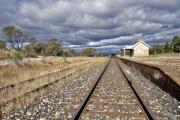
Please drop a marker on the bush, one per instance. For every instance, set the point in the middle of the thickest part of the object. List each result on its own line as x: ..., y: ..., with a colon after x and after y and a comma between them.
x: 167, y: 48
x: 158, y: 49
x: 2, y: 45
x: 53, y: 48
x: 176, y: 44
x: 90, y: 52
x: 30, y: 51
x: 30, y: 54
x: 17, y: 58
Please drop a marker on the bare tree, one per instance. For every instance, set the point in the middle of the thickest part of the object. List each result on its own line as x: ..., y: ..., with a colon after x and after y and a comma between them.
x: 9, y: 33
x: 15, y: 37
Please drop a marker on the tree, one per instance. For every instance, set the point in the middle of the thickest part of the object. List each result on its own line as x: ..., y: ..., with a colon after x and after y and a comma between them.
x: 90, y: 52
x: 175, y: 40
x: 17, y: 58
x: 9, y: 33
x: 2, y: 45
x: 40, y: 48
x: 167, y: 48
x: 30, y: 51
x: 152, y: 51
x: 53, y: 47
x: 158, y: 49
x: 176, y: 44
x: 15, y: 37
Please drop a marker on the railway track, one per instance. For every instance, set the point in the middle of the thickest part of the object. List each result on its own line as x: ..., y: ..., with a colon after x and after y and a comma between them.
x: 113, y: 97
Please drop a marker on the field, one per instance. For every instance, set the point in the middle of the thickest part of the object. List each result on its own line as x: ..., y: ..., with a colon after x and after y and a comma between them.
x: 169, y: 63
x: 35, y: 74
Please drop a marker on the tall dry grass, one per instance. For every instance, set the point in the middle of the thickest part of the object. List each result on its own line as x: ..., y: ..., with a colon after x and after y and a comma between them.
x: 5, y: 54
x: 30, y: 69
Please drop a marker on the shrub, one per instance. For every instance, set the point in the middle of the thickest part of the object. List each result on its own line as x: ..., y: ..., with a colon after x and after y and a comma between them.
x: 2, y: 45
x: 17, y: 58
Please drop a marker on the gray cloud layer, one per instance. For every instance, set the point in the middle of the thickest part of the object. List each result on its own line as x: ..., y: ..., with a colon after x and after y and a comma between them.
x: 104, y: 24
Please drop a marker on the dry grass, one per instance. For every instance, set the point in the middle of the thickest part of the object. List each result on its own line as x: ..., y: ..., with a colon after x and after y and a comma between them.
x: 24, y: 87
x: 166, y: 55
x: 31, y: 69
x: 5, y: 54
x: 12, y: 74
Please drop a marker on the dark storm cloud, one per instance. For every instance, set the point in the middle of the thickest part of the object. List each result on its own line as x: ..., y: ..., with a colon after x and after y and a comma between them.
x: 104, y: 24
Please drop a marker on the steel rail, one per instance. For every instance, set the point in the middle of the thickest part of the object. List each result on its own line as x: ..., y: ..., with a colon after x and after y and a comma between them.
x: 79, y: 110
x: 148, y: 111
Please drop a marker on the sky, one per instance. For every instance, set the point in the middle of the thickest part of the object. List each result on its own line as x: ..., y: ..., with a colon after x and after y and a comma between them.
x: 106, y: 25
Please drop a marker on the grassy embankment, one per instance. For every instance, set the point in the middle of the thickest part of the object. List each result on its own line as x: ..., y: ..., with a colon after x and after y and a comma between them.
x: 28, y: 69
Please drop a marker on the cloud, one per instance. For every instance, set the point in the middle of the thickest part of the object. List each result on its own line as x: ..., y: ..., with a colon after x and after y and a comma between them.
x: 104, y: 24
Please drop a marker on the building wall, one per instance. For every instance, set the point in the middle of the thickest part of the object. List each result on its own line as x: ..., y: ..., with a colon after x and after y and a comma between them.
x: 141, y: 50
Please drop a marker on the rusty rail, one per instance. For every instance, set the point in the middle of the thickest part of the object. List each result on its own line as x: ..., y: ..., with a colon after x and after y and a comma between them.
x: 78, y: 112
x: 149, y: 113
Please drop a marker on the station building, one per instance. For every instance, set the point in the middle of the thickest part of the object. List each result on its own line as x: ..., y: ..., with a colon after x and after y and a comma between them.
x: 139, y: 49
